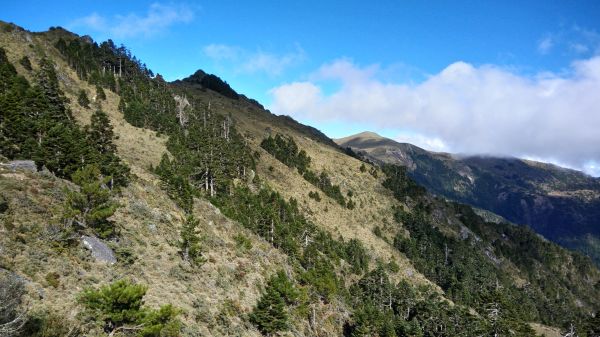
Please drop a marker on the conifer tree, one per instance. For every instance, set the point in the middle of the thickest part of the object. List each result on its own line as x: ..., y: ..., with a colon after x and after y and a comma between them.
x: 190, y: 244
x: 92, y: 205
x: 178, y: 188
x: 53, y: 98
x: 100, y: 136
x: 119, y: 307
x: 83, y: 99
x: 26, y: 63
x: 100, y: 94
x: 271, y: 313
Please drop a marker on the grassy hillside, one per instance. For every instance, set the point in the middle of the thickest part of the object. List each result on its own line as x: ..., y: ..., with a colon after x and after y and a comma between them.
x: 561, y: 204
x: 231, y: 234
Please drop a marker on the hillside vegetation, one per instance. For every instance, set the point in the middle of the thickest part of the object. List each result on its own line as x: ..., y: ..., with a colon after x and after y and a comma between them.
x: 224, y: 219
x: 561, y: 204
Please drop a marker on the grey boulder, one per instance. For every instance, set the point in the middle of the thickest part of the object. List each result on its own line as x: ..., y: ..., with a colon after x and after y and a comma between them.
x: 100, y: 251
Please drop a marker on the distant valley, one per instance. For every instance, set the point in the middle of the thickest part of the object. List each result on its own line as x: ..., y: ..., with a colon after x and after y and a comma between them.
x: 561, y: 204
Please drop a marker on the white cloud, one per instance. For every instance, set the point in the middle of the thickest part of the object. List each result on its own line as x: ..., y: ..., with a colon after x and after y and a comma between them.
x: 545, y: 44
x: 221, y: 52
x: 156, y: 20
x: 297, y: 96
x: 251, y: 62
x: 574, y: 40
x: 429, y: 143
x: 465, y: 108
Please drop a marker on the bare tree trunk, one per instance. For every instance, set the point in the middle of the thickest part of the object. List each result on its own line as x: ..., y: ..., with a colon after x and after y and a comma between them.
x: 272, y: 230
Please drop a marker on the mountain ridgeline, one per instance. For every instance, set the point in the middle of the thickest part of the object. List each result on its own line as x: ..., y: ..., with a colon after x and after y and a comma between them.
x: 561, y: 204
x: 206, y: 215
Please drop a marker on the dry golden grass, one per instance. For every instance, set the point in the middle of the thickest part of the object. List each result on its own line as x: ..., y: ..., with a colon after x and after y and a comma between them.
x: 227, y: 286
x: 545, y: 331
x: 215, y: 295
x: 149, y: 224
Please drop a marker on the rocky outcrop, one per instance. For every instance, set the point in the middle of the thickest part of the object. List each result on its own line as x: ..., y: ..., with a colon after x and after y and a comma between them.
x: 100, y: 251
x: 20, y: 165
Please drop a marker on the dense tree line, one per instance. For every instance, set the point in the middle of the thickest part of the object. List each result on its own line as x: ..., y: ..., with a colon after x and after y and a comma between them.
x: 36, y: 123
x: 287, y: 151
x: 207, y: 152
x: 472, y: 268
x: 398, y: 181
x: 146, y: 100
x: 387, y: 309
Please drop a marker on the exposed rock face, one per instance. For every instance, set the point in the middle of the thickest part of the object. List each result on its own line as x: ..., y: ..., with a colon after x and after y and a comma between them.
x: 20, y: 165
x: 100, y: 251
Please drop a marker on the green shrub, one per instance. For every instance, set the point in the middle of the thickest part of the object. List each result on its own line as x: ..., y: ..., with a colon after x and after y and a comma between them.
x: 314, y: 195
x: 48, y: 323
x: 350, y: 204
x: 373, y: 172
x: 242, y: 242
x: 3, y: 204
x: 125, y: 255
x: 161, y: 322
x: 83, y: 99
x: 53, y: 279
x: 119, y: 306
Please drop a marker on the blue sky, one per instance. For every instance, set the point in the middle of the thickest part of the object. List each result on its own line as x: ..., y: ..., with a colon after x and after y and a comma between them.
x: 503, y: 77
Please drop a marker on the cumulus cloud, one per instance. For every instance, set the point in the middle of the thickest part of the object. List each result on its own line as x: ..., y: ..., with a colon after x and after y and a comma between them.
x: 465, y: 108
x: 157, y: 18
x: 251, y: 62
x: 221, y: 52
x: 429, y: 143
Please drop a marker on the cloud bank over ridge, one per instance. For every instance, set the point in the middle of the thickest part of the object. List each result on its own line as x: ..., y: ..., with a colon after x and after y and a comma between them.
x: 464, y: 108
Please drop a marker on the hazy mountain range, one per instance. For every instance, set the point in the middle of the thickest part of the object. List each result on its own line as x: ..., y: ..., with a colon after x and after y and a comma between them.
x: 561, y: 204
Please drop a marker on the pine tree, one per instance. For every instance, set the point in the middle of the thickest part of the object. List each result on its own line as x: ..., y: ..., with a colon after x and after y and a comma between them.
x: 53, y: 98
x: 190, y: 244
x: 178, y: 188
x: 26, y: 63
x: 92, y: 205
x: 83, y: 99
x: 119, y: 308
x: 271, y: 313
x: 100, y: 137
x: 100, y: 94
x: 116, y: 304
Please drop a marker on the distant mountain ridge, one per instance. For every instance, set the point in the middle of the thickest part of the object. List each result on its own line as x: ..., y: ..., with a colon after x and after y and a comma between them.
x: 561, y: 204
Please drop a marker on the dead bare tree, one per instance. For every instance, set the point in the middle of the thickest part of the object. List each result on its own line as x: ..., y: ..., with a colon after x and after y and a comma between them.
x: 13, y: 315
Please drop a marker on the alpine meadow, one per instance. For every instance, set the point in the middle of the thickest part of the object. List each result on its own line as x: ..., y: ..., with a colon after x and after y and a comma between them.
x: 138, y: 203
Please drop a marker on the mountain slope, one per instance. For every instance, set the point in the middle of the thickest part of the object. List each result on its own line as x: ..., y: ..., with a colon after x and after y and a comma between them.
x: 561, y: 204
x: 295, y: 239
